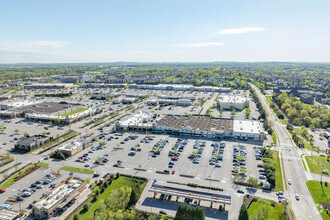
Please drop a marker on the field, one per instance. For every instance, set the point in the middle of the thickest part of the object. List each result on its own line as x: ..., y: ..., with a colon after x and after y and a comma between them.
x: 76, y: 169
x: 315, y: 164
x: 270, y: 211
x: 319, y: 194
x: 116, y: 184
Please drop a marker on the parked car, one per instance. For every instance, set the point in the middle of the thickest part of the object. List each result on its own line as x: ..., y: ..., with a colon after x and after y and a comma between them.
x: 2, y: 190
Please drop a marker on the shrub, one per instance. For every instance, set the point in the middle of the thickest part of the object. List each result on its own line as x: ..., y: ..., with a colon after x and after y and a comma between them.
x: 86, y: 207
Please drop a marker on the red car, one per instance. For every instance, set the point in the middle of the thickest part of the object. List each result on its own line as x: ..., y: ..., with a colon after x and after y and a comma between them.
x: 175, y: 158
x: 111, y: 136
x: 150, y: 139
x: 259, y: 165
x: 173, y: 172
x: 191, y: 156
x: 2, y: 190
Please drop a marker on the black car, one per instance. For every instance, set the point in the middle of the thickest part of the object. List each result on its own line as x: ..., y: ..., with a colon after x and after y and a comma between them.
x: 19, y: 198
x: 33, y: 185
x: 37, y: 182
x: 166, y: 171
x: 96, y: 175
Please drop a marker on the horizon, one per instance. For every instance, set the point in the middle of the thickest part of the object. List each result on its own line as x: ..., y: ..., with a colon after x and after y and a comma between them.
x: 164, y: 32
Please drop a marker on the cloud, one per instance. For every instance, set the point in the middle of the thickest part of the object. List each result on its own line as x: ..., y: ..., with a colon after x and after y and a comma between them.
x: 240, y: 30
x: 31, y: 46
x: 205, y: 44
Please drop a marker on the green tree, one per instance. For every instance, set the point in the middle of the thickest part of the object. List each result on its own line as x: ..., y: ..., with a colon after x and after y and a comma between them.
x: 252, y: 181
x: 233, y: 112
x: 243, y: 213
x: 57, y: 121
x: 16, y: 131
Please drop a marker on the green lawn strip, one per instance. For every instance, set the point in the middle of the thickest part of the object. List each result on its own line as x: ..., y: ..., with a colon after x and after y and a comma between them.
x: 76, y: 169
x: 75, y: 112
x: 319, y: 194
x: 9, y: 168
x: 116, y: 184
x: 7, y: 160
x: 278, y: 172
x: 10, y: 181
x: 274, y: 137
x: 268, y: 99
x: 42, y: 164
x: 275, y: 212
x: 315, y: 164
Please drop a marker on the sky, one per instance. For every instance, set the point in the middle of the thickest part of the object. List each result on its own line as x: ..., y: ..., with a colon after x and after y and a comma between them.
x: 69, y: 31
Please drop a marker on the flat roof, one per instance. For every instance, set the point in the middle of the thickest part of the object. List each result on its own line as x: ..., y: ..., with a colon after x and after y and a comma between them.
x: 58, y: 194
x: 187, y: 193
x: 137, y: 118
x: 196, y: 122
x: 247, y: 126
x: 232, y: 99
x: 47, y: 107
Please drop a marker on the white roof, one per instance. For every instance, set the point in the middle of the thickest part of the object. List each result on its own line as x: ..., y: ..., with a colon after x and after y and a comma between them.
x: 233, y: 99
x: 247, y: 126
x: 137, y: 118
x: 72, y: 145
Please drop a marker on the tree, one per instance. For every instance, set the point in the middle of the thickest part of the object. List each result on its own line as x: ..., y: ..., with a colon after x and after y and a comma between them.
x: 243, y: 213
x: 86, y: 207
x: 304, y: 131
x: 50, y: 123
x: 76, y: 217
x: 44, y: 133
x: 25, y: 134
x: 252, y: 181
x: 16, y: 131
x: 233, y: 112
x: 57, y: 121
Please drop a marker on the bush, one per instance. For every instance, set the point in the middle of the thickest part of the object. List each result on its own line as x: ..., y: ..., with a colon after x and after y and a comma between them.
x: 86, y: 207
x: 76, y: 217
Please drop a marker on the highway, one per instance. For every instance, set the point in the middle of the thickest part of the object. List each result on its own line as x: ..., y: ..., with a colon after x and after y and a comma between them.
x: 293, y: 168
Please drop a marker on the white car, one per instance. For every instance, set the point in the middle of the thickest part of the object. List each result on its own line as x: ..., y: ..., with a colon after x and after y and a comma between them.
x: 289, y: 182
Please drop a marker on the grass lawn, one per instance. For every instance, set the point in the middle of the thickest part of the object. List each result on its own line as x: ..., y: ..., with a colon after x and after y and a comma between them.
x: 116, y: 184
x: 76, y: 169
x: 10, y: 181
x: 278, y: 172
x: 315, y: 164
x: 273, y: 212
x: 75, y: 112
x: 319, y: 193
x: 43, y: 164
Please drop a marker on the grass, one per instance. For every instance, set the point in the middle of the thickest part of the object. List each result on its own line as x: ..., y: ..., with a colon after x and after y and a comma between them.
x: 75, y: 112
x: 315, y: 164
x: 320, y: 193
x: 9, y: 168
x: 278, y: 172
x: 11, y: 181
x: 274, y: 137
x: 273, y: 212
x: 6, y: 161
x: 76, y: 169
x: 42, y: 164
x: 268, y: 99
x: 116, y: 184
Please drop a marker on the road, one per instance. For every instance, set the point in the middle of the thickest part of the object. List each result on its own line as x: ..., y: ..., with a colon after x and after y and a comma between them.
x: 294, y: 170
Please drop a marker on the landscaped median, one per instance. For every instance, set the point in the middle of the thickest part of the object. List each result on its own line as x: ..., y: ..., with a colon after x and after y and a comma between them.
x: 320, y: 193
x: 315, y: 164
x: 15, y: 176
x: 76, y: 169
x: 5, y: 160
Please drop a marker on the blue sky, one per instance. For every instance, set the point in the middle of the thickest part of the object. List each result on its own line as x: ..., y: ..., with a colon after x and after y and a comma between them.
x: 42, y: 31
